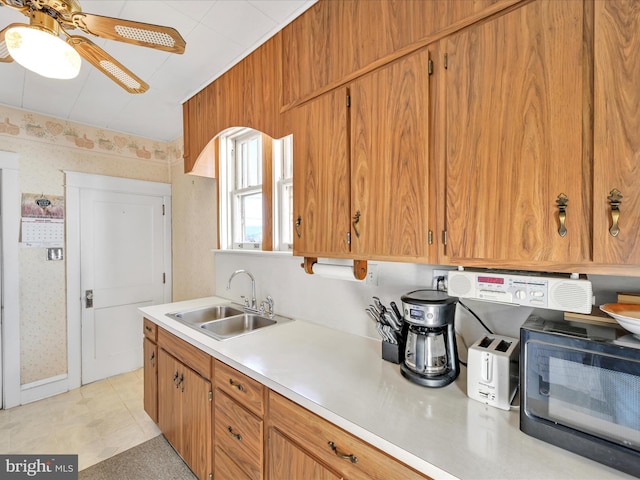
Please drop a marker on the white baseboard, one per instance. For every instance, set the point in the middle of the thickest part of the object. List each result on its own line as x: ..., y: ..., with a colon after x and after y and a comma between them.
x: 48, y: 387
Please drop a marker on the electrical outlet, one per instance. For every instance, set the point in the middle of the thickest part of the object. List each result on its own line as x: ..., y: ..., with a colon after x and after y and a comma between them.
x: 372, y: 275
x: 437, y: 273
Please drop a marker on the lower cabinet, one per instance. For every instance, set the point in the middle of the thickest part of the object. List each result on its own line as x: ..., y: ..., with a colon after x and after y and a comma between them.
x: 302, y: 441
x: 239, y: 425
x: 150, y: 352
x: 240, y: 430
x: 288, y: 460
x: 184, y: 406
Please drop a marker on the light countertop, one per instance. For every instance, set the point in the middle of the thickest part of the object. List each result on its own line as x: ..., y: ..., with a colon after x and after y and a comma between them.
x: 342, y: 378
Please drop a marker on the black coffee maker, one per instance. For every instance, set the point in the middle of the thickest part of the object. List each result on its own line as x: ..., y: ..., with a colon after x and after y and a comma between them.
x: 430, y: 351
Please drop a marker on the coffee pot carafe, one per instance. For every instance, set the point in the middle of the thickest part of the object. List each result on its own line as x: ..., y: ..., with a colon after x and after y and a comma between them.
x: 430, y: 352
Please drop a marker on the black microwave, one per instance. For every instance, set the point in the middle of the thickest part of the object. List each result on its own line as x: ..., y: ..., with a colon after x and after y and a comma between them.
x: 580, y: 390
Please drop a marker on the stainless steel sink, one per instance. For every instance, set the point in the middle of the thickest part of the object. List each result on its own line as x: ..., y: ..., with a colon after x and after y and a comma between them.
x: 207, y: 314
x: 226, y: 321
x: 238, y: 325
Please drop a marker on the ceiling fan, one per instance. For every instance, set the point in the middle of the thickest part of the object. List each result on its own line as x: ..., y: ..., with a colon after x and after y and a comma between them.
x: 57, y: 53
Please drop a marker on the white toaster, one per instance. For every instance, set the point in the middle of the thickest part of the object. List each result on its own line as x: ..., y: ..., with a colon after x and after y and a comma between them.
x: 492, y: 370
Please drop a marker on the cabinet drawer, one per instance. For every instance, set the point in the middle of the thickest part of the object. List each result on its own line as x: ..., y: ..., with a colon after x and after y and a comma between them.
x: 240, y: 387
x: 150, y: 330
x: 350, y: 456
x: 185, y: 352
x: 239, y: 433
x: 225, y: 468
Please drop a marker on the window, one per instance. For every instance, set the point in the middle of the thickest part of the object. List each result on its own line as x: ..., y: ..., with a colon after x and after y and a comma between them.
x: 250, y: 216
x: 283, y: 213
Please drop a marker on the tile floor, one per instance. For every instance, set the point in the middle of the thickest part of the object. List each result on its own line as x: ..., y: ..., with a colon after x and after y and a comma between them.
x: 95, y: 421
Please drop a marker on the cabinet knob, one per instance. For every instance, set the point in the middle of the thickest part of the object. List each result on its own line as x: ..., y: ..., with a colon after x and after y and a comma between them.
x: 615, y: 199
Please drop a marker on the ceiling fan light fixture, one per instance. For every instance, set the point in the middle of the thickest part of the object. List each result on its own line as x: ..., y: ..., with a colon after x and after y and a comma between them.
x: 38, y: 48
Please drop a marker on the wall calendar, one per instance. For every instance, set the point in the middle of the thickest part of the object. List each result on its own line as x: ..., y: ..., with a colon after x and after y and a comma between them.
x: 42, y: 220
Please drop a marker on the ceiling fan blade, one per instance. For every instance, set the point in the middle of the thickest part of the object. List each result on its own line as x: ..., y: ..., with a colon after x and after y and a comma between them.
x: 5, y: 56
x: 108, y: 65
x: 143, y: 34
x: 16, y: 5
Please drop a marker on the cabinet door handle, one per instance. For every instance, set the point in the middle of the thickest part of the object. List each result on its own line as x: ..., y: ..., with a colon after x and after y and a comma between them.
x: 615, y: 199
x: 345, y: 456
x: 237, y: 436
x: 562, y: 201
x: 356, y: 221
x: 236, y: 385
x: 175, y: 376
x: 152, y: 359
x: 298, y: 223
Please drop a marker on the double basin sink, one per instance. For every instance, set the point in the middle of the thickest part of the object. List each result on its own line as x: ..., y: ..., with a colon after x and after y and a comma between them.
x: 226, y: 321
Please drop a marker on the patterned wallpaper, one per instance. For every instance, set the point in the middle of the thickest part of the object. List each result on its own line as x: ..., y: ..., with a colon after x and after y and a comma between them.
x: 22, y: 124
x: 47, y: 146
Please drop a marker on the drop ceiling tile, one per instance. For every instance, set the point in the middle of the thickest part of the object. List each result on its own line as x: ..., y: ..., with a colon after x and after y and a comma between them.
x: 151, y: 117
x: 281, y: 10
x: 240, y: 21
x: 209, y: 56
x: 11, y: 91
x: 218, y: 34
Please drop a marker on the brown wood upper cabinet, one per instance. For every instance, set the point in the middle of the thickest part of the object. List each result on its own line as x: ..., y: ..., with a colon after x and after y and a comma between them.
x: 516, y: 117
x: 390, y: 161
x: 336, y: 41
x: 247, y: 95
x: 361, y: 173
x: 617, y: 132
x: 321, y: 176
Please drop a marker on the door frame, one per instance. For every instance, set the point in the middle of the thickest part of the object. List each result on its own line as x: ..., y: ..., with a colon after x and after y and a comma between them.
x: 74, y: 182
x: 10, y: 388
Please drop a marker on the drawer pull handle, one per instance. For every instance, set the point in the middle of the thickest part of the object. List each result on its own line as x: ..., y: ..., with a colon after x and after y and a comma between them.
x: 148, y: 328
x: 237, y: 436
x: 237, y: 385
x: 352, y: 458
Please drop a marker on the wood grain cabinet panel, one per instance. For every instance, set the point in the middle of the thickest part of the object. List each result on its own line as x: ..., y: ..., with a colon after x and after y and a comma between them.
x: 514, y: 108
x: 150, y: 351
x: 239, y: 434
x: 184, y: 406
x: 321, y: 176
x: 335, y: 41
x: 390, y: 199
x: 319, y: 439
x: 617, y: 131
x: 241, y: 388
x: 288, y: 460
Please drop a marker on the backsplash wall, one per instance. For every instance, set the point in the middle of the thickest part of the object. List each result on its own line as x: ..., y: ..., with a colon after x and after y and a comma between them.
x: 340, y: 304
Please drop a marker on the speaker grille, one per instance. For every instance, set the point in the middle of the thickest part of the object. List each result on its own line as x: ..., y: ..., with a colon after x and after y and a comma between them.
x: 571, y: 296
x: 459, y: 285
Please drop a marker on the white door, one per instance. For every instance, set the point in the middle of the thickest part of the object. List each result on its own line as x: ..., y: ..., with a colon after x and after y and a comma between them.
x: 121, y: 269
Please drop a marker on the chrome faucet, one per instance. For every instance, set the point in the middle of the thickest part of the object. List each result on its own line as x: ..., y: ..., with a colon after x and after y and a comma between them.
x: 266, y: 306
x: 253, y: 306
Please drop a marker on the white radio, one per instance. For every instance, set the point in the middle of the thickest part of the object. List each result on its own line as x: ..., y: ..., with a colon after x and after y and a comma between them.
x: 555, y: 292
